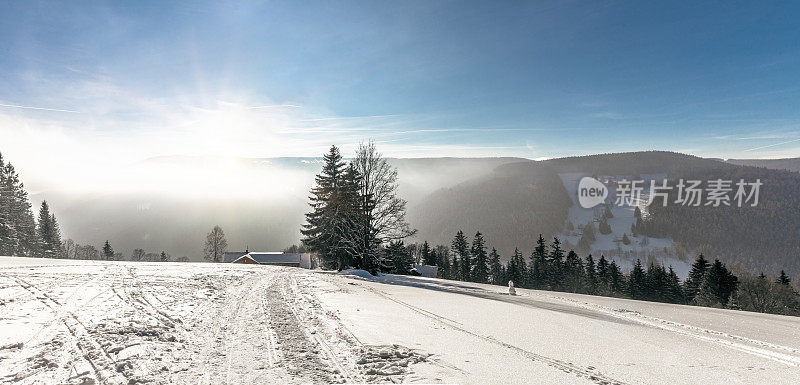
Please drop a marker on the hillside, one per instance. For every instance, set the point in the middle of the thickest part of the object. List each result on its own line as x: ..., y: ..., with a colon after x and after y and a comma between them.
x: 512, y: 212
x: 510, y: 206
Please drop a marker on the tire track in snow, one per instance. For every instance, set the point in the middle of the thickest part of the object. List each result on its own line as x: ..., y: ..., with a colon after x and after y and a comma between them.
x: 567, y: 367
x: 301, y: 348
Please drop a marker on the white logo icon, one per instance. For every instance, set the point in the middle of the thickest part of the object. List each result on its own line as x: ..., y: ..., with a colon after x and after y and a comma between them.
x: 591, y: 192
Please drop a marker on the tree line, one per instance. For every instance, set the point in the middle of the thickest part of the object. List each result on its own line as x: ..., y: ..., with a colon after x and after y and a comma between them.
x: 551, y: 267
x: 20, y: 233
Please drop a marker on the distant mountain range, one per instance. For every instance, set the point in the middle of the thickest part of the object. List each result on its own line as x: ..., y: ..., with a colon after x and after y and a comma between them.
x: 789, y: 164
x: 510, y: 200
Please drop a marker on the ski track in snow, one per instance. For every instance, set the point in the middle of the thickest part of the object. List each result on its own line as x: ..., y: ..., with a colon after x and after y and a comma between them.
x: 135, y: 323
x: 123, y: 323
x: 588, y: 373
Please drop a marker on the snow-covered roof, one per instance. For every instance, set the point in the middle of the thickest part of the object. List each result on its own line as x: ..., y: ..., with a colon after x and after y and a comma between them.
x: 231, y: 256
x: 274, y: 257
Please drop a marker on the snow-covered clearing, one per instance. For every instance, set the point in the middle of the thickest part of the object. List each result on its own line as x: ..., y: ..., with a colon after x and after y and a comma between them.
x: 93, y: 322
x: 610, y: 245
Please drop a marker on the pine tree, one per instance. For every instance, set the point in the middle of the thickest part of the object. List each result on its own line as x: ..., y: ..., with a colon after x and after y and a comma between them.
x: 696, y: 276
x: 461, y: 259
x: 164, y: 257
x: 108, y: 252
x: 625, y: 239
x: 495, y: 268
x: 480, y: 272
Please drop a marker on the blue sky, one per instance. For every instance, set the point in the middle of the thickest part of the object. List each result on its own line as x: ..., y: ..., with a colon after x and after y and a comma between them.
x: 93, y: 81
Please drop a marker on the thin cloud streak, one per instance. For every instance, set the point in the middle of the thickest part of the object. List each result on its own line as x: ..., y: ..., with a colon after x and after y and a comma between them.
x: 38, y: 108
x: 772, y: 145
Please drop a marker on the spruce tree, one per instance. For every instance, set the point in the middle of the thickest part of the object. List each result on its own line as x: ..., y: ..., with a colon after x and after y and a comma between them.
x: 49, y: 233
x: 696, y: 276
x: 18, y: 235
x: 636, y: 281
x: 108, y: 252
x: 444, y: 265
x: 784, y: 279
x: 516, y: 269
x: 399, y: 258
x: 607, y: 212
x: 616, y: 278
x: 428, y: 255
x: 573, y: 273
x: 480, y: 272
x: 327, y: 223
x: 538, y: 269
x: 555, y: 265
x: 717, y: 287
x: 461, y: 258
x: 495, y: 268
x: 603, y: 281
x: 604, y: 227
x: 591, y: 276
x: 675, y: 291
x: 587, y: 237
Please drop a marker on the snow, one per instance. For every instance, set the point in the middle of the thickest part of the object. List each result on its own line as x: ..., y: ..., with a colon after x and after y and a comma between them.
x: 357, y: 273
x: 624, y: 255
x: 120, y: 322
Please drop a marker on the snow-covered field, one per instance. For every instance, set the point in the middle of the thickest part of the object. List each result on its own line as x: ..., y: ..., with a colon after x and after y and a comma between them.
x: 192, y: 323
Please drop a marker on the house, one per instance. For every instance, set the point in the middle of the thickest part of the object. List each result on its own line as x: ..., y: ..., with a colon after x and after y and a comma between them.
x: 231, y: 256
x: 275, y: 259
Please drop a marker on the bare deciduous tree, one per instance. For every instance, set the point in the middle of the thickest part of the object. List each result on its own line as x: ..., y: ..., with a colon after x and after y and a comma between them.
x: 216, y: 245
x: 385, y: 211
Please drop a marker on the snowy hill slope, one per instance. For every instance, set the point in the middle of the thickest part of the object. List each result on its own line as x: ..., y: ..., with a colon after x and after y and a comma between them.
x: 115, y: 323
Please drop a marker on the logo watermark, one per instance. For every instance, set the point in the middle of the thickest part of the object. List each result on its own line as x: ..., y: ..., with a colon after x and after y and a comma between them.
x: 694, y: 193
x: 591, y: 192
